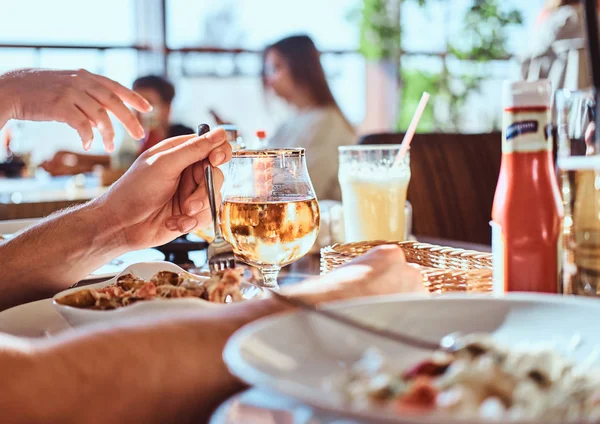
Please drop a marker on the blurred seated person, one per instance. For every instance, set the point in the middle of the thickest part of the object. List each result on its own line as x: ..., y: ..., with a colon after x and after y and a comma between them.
x: 292, y: 70
x: 160, y: 93
x: 557, y: 48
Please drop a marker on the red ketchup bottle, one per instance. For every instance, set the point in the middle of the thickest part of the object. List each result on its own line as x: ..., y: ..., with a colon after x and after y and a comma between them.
x: 527, y: 209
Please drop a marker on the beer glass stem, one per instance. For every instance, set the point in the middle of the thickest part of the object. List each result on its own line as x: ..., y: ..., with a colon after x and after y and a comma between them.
x: 270, y: 276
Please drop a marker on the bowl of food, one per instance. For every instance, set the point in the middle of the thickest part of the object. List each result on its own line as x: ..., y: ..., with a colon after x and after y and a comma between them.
x: 525, y: 358
x: 148, y: 289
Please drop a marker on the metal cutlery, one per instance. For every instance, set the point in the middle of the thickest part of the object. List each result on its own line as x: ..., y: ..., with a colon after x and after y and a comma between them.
x: 220, y: 251
x: 449, y: 343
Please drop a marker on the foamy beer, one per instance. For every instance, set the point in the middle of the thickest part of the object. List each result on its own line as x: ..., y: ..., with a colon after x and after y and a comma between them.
x: 373, y: 192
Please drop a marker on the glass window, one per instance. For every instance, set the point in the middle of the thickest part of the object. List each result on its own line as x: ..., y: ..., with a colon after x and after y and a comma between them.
x: 252, y: 24
x: 68, y: 22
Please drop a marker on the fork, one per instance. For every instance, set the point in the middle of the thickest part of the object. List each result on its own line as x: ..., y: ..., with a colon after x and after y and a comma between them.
x: 450, y: 343
x: 220, y: 251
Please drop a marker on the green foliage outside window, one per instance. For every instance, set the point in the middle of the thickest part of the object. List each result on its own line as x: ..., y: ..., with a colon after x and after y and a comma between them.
x: 483, y: 39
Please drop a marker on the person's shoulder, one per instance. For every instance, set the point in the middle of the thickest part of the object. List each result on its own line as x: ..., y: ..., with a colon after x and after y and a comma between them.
x: 336, y: 117
x: 326, y: 115
x: 330, y: 122
x: 179, y: 129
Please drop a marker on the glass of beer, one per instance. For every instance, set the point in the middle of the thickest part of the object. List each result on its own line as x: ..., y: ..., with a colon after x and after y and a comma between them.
x: 579, y: 178
x: 270, y: 213
x: 374, y: 192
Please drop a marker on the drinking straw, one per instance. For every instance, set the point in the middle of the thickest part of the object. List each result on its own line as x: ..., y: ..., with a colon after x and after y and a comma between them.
x: 591, y: 20
x: 411, y: 129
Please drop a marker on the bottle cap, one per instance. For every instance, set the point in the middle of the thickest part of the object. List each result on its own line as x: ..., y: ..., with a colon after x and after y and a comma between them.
x: 261, y: 134
x: 527, y: 93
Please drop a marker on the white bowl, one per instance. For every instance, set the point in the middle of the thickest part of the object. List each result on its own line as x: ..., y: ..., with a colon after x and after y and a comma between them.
x: 79, y: 316
x: 300, y: 354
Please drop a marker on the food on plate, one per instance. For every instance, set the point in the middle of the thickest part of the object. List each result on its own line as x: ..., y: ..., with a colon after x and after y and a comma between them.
x: 130, y: 289
x: 482, y: 380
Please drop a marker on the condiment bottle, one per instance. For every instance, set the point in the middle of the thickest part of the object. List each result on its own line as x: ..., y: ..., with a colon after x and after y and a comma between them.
x: 527, y: 210
x: 261, y: 141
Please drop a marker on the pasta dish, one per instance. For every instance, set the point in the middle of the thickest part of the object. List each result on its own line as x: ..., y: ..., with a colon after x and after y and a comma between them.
x: 130, y: 289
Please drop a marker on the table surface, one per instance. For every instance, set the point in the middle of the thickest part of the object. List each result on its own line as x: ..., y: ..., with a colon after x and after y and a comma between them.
x: 43, y: 188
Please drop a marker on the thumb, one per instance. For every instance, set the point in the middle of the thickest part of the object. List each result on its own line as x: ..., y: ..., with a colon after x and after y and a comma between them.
x: 178, y: 153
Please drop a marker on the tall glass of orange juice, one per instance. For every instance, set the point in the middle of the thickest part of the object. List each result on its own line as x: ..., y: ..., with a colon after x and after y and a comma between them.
x: 373, y: 192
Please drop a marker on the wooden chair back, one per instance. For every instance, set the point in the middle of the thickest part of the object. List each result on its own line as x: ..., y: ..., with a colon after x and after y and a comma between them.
x: 452, y: 184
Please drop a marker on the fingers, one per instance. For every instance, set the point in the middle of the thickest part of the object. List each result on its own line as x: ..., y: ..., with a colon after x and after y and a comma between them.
x: 187, y: 185
x: 406, y: 278
x: 198, y: 172
x: 184, y: 224
x: 214, y: 137
x: 168, y: 144
x: 77, y: 120
x: 181, y: 223
x: 126, y: 95
x: 198, y: 201
x: 180, y: 152
x: 389, y: 253
x: 111, y: 101
x: 196, y: 208
x: 220, y: 155
x: 96, y: 113
x: 389, y: 271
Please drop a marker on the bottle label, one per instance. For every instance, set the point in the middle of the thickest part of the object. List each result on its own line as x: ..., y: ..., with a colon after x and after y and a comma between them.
x: 498, y: 285
x: 526, y: 130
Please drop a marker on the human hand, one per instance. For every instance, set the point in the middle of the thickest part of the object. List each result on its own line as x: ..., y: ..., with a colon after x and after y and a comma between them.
x: 381, y: 271
x: 163, y: 194
x: 79, y: 98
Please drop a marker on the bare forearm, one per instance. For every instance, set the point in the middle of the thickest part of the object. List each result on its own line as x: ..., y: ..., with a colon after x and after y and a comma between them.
x: 167, y: 372
x: 56, y: 253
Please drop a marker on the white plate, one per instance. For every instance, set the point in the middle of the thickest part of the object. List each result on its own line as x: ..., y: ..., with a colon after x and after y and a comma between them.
x: 299, y: 354
x: 79, y: 316
x: 34, y: 319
